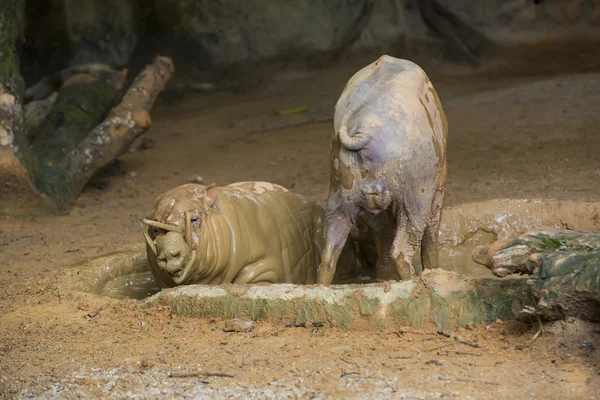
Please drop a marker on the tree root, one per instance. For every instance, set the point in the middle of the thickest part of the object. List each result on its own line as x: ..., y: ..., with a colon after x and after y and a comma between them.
x: 563, y: 265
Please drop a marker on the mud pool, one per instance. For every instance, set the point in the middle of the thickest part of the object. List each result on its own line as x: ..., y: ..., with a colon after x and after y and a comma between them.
x: 125, y: 274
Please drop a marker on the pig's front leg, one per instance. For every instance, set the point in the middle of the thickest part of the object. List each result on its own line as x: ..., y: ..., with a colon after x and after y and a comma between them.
x: 337, y: 229
x: 257, y: 273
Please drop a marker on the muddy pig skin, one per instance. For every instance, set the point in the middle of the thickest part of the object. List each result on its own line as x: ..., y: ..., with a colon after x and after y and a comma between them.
x: 388, y: 168
x: 244, y: 233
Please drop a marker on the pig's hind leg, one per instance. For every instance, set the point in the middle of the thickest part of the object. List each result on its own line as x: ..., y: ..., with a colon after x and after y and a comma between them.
x: 409, y: 234
x: 429, y: 245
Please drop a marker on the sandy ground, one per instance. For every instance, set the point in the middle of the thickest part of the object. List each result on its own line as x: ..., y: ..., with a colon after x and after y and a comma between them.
x: 510, y: 136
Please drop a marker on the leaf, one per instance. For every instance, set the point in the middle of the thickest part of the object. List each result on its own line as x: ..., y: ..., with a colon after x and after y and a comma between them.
x: 296, y: 110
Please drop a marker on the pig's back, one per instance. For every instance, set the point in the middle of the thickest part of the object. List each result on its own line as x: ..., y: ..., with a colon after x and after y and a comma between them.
x: 268, y: 221
x: 400, y: 103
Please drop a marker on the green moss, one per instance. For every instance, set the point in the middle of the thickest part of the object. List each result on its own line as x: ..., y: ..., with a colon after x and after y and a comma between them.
x: 12, y: 14
x: 308, y: 311
x: 78, y: 110
x: 367, y: 306
x: 548, y: 243
x: 11, y: 30
x: 440, y: 312
x: 416, y: 310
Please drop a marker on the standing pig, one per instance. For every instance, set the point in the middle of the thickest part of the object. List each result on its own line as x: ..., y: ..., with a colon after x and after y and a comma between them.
x: 245, y: 233
x: 388, y: 168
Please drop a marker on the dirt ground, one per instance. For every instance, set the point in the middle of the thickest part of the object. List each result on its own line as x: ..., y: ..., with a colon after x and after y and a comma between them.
x: 510, y: 136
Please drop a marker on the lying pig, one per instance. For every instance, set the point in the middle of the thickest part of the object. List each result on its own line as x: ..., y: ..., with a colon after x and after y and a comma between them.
x: 388, y: 168
x: 244, y: 233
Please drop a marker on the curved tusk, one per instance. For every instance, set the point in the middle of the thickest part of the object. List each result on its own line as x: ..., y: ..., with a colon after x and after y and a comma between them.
x: 188, y: 229
x: 149, y: 240
x: 188, y: 267
x: 160, y: 225
x: 168, y: 210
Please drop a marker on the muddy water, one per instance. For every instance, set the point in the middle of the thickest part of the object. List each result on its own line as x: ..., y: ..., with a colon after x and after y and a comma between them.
x: 137, y: 285
x: 468, y: 225
x: 125, y: 273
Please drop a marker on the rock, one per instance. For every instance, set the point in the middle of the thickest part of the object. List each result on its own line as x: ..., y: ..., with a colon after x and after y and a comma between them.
x: 101, y: 31
x: 36, y: 111
x: 225, y: 33
x: 143, y: 364
x: 238, y: 325
x: 527, y: 22
x: 196, y: 179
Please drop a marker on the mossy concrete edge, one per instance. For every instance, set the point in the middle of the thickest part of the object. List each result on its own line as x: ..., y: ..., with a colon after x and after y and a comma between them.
x: 438, y: 299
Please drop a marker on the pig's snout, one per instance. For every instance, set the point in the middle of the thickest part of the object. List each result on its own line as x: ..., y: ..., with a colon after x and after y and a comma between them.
x: 173, y: 252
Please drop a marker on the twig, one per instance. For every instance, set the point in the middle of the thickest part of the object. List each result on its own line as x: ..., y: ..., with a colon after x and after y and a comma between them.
x: 186, y: 374
x: 466, y: 342
x: 346, y: 361
x: 440, y: 347
x: 219, y: 374
x: 539, y: 331
x: 401, y: 357
x: 316, y: 120
x: 535, y: 336
x: 346, y: 373
x: 303, y: 324
x: 463, y: 353
x: 462, y: 366
x: 467, y: 380
x: 548, y: 375
x: 95, y: 313
x: 401, y: 332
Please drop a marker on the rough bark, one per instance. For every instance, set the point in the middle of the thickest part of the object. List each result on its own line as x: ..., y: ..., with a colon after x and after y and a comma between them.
x: 564, y: 269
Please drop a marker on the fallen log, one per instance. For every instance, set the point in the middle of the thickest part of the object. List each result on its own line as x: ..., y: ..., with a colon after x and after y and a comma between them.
x: 64, y: 177
x: 82, y: 103
x: 563, y: 265
x: 51, y: 166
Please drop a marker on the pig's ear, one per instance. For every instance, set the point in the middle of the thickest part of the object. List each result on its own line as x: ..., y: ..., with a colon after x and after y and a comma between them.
x: 209, y: 197
x: 208, y: 202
